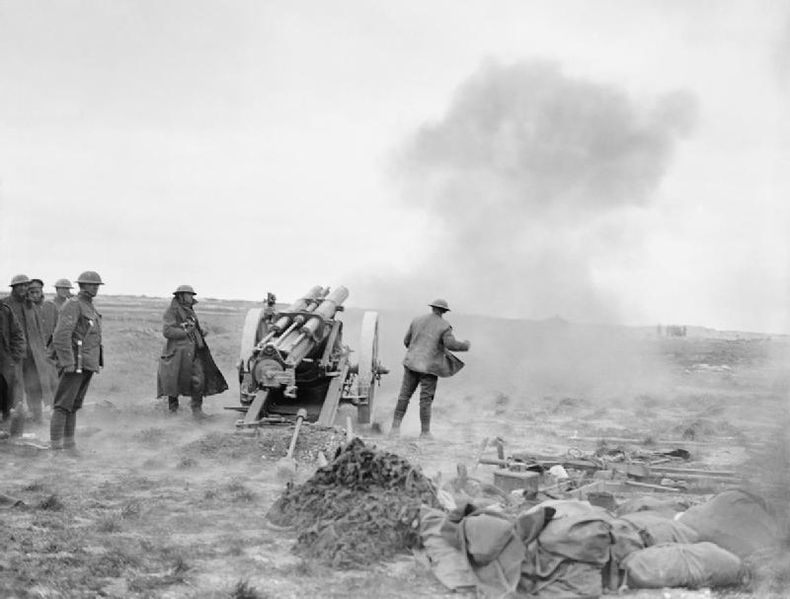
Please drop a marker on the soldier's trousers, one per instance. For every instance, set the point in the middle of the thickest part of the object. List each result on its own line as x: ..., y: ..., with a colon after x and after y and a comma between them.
x: 427, y: 383
x: 69, y: 396
x: 6, y: 398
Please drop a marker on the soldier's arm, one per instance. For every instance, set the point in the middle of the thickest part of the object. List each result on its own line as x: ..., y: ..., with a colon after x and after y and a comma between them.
x: 451, y: 343
x: 407, y: 337
x: 170, y: 327
x: 17, y: 345
x: 61, y: 339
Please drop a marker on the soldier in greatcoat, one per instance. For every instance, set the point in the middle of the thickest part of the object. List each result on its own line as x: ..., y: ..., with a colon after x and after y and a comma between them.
x: 428, y: 342
x: 48, y: 317
x: 186, y: 366
x: 12, y: 350
x: 77, y: 344
x: 47, y: 310
x: 31, y: 376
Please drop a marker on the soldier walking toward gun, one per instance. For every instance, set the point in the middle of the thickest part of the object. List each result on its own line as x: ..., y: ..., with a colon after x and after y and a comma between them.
x: 77, y: 343
x: 428, y: 342
x: 186, y: 366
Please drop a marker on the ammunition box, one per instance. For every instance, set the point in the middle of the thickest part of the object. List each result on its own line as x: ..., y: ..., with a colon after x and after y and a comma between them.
x: 508, y: 480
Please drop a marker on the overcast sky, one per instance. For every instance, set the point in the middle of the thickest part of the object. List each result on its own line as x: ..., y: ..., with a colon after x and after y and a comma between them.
x: 606, y: 161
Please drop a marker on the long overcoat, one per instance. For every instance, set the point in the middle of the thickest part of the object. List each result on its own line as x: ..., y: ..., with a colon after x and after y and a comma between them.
x: 174, y: 377
x: 48, y: 312
x: 12, y: 344
x: 30, y: 322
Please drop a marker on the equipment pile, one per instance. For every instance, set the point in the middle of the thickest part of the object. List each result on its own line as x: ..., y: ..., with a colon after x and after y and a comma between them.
x: 361, y: 508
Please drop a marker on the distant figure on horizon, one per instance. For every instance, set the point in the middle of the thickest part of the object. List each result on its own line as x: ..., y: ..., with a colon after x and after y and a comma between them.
x: 428, y: 342
x: 186, y: 366
x: 77, y: 343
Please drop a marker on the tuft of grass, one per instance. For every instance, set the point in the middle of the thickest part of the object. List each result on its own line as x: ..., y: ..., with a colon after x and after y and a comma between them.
x: 244, y: 590
x: 186, y: 462
x: 131, y: 509
x: 51, y: 502
x: 239, y: 492
x: 151, y: 436
x: 35, y: 486
x: 109, y: 523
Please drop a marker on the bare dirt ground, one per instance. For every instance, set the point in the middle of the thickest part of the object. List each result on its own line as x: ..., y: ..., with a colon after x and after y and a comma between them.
x: 159, y: 506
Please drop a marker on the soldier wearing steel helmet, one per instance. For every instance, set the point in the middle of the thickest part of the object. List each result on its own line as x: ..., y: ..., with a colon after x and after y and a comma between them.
x: 63, y: 293
x: 32, y: 378
x: 77, y: 344
x: 428, y: 342
x: 186, y: 366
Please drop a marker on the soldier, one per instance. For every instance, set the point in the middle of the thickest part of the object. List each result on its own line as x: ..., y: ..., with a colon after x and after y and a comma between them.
x: 77, y: 343
x: 48, y: 317
x: 428, y: 342
x: 31, y: 373
x: 47, y: 310
x: 269, y: 310
x: 12, y: 350
x: 63, y: 289
x: 186, y: 366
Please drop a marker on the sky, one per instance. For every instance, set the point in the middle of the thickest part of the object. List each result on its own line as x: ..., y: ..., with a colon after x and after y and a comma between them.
x: 602, y: 161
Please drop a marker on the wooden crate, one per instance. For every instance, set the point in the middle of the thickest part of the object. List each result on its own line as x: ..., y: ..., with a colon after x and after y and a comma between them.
x: 511, y: 481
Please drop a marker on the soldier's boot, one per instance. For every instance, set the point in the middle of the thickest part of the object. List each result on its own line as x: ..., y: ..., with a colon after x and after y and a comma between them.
x: 172, y: 404
x: 197, y: 408
x: 69, y: 444
x: 397, y: 417
x: 425, y: 421
x: 57, y: 428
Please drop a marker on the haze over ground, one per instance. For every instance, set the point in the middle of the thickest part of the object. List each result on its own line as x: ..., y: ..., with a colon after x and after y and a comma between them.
x: 617, y: 161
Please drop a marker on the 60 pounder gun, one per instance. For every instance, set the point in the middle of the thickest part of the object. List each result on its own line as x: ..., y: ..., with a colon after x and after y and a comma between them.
x: 297, y: 360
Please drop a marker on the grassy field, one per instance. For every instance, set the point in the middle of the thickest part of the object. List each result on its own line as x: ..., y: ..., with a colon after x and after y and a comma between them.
x: 159, y: 506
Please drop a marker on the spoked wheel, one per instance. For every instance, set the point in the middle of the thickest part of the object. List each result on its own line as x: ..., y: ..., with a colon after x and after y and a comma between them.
x: 369, y: 366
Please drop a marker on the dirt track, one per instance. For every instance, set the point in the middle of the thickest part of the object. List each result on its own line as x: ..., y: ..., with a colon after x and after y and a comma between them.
x: 161, y: 507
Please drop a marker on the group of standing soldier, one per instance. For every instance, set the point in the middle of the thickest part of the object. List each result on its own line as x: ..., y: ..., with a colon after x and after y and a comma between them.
x: 48, y: 349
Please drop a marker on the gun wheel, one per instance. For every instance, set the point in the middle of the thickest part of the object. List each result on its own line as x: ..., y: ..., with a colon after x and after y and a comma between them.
x: 368, y: 365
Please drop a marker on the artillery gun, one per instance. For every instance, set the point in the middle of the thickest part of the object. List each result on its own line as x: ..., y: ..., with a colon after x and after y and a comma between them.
x: 295, y: 360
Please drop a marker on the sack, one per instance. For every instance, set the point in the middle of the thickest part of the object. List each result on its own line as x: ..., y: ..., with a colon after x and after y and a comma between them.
x: 655, y: 529
x: 447, y: 562
x: 682, y: 565
x: 735, y: 520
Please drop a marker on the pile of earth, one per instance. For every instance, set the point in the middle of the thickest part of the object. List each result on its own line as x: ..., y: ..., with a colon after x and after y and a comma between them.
x: 269, y: 443
x: 361, y: 508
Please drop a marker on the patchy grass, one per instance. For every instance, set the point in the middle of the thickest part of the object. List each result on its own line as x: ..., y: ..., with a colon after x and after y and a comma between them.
x: 51, y: 503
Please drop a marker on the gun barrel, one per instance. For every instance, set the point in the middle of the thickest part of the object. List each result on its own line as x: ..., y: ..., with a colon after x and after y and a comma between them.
x: 326, y: 310
x: 307, y: 303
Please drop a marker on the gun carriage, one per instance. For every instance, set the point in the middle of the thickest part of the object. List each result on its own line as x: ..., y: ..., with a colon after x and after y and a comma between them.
x: 296, y: 360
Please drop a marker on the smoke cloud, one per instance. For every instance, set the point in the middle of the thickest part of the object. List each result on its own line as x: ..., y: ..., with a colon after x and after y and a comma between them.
x: 526, y: 186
